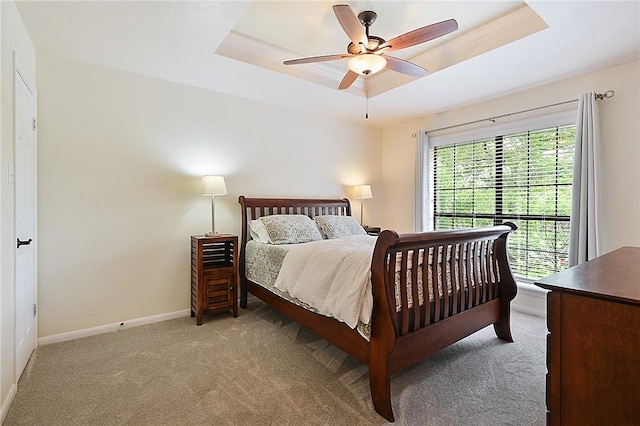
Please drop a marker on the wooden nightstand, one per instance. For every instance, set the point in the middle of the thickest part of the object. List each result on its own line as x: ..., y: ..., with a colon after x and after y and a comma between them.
x: 372, y: 230
x: 214, y: 274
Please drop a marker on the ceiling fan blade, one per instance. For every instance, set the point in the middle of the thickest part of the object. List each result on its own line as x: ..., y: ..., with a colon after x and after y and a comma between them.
x: 348, y: 80
x: 420, y: 35
x: 312, y: 59
x: 350, y: 24
x: 405, y: 67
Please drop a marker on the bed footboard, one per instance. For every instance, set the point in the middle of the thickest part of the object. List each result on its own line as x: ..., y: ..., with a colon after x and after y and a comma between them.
x: 431, y: 290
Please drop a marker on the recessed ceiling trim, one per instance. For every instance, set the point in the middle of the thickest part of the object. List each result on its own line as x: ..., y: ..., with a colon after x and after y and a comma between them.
x: 250, y: 50
x: 513, y: 26
x: 510, y: 27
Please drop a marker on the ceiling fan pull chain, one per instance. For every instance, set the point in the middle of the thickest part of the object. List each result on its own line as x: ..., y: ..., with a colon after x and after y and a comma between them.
x: 366, y: 99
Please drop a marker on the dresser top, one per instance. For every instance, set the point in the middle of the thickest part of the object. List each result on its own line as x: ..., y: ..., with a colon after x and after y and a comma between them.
x: 613, y: 276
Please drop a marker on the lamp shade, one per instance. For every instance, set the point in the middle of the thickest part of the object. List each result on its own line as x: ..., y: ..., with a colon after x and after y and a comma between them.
x: 367, y: 63
x: 363, y: 192
x: 213, y: 185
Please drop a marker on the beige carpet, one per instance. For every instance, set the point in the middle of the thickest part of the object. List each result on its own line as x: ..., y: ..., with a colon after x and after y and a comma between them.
x: 262, y: 369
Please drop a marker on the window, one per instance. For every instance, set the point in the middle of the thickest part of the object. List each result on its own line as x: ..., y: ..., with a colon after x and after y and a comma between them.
x: 522, y: 177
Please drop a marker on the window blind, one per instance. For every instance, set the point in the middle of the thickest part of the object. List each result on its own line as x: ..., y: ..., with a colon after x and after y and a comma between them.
x: 522, y: 177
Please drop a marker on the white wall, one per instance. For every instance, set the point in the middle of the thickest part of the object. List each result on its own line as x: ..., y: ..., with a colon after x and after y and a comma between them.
x: 14, y: 39
x: 120, y: 159
x: 620, y: 133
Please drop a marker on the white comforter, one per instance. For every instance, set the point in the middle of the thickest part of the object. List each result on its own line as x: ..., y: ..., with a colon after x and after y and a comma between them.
x: 333, y: 276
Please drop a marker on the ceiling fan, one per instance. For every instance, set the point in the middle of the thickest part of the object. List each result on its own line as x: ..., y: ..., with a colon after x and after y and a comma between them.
x: 368, y: 52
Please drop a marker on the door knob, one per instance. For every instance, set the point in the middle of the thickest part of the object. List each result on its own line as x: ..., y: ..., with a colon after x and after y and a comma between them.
x: 23, y: 243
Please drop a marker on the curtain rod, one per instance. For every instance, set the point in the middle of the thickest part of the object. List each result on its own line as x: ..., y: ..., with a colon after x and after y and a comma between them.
x: 606, y: 95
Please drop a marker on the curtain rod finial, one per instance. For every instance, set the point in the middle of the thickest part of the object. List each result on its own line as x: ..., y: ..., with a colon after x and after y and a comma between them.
x: 606, y: 95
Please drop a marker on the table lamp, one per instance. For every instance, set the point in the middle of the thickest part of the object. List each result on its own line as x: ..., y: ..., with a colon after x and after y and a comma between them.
x: 213, y: 185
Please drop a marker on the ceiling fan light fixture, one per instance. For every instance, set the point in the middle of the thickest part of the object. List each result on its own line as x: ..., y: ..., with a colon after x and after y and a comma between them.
x: 367, y: 63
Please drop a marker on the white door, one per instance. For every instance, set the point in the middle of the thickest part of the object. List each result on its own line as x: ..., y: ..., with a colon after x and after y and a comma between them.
x: 25, y: 222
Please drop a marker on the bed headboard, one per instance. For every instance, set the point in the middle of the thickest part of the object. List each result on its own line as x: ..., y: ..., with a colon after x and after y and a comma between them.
x: 253, y: 208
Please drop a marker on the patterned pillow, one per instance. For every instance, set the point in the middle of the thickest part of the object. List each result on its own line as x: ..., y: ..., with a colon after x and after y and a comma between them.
x: 290, y: 228
x: 339, y: 226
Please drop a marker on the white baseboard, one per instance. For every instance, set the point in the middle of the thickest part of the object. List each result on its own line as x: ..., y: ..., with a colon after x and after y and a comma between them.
x: 530, y: 299
x: 6, y: 404
x: 62, y: 337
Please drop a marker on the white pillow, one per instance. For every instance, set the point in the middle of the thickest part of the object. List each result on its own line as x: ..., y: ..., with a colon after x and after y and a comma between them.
x: 258, y: 231
x: 290, y: 229
x: 338, y: 226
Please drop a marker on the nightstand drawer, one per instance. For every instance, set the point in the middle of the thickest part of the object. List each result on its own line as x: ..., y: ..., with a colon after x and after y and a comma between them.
x: 218, y: 289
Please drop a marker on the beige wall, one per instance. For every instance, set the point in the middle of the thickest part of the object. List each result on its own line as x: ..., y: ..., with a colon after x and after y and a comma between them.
x: 120, y: 161
x: 14, y: 39
x: 121, y: 155
x: 620, y: 133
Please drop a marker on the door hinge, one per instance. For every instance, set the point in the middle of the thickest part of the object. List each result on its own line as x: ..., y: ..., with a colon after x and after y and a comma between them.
x: 35, y: 309
x: 34, y: 123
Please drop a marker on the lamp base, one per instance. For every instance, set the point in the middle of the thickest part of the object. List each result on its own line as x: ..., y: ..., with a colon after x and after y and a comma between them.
x: 212, y: 234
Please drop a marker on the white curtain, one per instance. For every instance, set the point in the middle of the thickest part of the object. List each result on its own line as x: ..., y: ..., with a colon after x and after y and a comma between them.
x: 422, y: 216
x: 584, y: 238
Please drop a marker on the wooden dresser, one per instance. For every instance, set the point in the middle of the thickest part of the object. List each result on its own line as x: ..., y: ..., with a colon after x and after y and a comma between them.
x: 593, y: 345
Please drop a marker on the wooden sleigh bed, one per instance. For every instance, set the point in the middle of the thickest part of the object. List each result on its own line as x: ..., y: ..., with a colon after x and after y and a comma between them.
x: 471, y: 263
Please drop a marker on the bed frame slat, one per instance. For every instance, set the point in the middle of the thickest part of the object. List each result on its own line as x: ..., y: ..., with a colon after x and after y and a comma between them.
x: 417, y: 320
x: 425, y: 318
x: 455, y: 293
x: 435, y: 285
x: 404, y: 303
